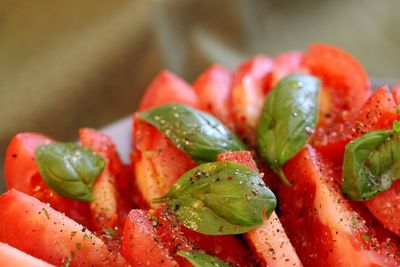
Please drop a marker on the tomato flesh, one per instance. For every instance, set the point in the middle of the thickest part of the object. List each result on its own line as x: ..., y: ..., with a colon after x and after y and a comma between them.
x: 213, y: 88
x: 321, y: 223
x: 168, y: 88
x: 37, y: 229
x: 12, y: 257
x: 22, y: 173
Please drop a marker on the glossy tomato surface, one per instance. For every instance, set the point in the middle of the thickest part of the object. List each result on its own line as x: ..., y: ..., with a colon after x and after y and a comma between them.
x: 21, y: 173
x: 39, y: 230
x: 322, y: 225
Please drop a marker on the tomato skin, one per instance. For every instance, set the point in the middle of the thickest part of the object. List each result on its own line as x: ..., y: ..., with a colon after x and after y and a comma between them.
x: 20, y: 165
x: 285, y: 64
x: 396, y: 93
x: 345, y: 87
x: 37, y: 229
x: 242, y: 157
x: 250, y: 85
x: 12, y: 257
x: 21, y: 173
x: 140, y: 245
x: 213, y: 88
x: 320, y: 222
x: 344, y: 78
x: 168, y: 88
x: 378, y: 113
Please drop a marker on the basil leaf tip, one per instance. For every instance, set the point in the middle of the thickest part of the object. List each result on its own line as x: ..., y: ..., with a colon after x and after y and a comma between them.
x: 197, y: 133
x: 69, y: 169
x: 220, y: 198
x: 289, y: 115
x: 200, y: 259
x: 371, y: 164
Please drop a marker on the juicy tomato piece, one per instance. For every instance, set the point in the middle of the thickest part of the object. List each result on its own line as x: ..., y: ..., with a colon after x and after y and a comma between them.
x: 249, y: 87
x: 168, y: 88
x: 378, y: 113
x: 37, y: 229
x: 158, y: 162
x: 269, y: 241
x: 345, y: 82
x: 104, y: 207
x: 12, y: 257
x: 213, y: 88
x: 141, y: 246
x: 345, y: 87
x: 285, y: 64
x: 396, y: 93
x: 321, y: 223
x: 386, y: 207
x: 159, y: 231
x: 242, y: 157
x: 22, y: 173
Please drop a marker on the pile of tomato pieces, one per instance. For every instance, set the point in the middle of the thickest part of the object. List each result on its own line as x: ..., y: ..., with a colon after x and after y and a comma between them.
x: 315, y: 224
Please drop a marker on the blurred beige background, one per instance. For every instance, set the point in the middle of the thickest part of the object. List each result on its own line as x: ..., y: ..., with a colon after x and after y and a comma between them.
x: 69, y: 64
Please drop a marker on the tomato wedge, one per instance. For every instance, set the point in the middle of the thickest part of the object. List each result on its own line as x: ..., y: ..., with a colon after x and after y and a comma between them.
x: 21, y: 173
x: 152, y: 237
x: 157, y: 161
x: 396, y: 93
x: 249, y: 87
x: 37, y: 229
x: 345, y: 87
x: 379, y: 112
x: 104, y: 207
x: 213, y: 88
x: 321, y: 223
x: 12, y: 257
x: 168, y: 88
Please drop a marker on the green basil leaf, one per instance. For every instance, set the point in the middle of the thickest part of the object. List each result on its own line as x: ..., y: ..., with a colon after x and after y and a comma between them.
x: 69, y: 169
x: 371, y: 164
x: 288, y: 118
x: 199, y: 259
x: 197, y: 133
x: 396, y: 127
x: 220, y: 198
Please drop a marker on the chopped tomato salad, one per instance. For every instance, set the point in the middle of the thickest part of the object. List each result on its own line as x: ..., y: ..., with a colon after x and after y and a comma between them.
x: 285, y: 161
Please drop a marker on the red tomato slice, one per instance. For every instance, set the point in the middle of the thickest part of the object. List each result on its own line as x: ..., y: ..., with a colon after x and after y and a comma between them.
x: 345, y: 82
x: 379, y: 112
x: 12, y: 257
x: 242, y: 157
x: 320, y: 222
x: 37, y: 229
x: 22, y: 174
x: 249, y: 87
x: 158, y: 162
x: 141, y: 246
x: 386, y: 208
x: 269, y: 242
x: 285, y: 64
x: 396, y: 93
x: 345, y: 88
x: 213, y: 87
x: 168, y: 88
x: 159, y: 231
x: 104, y: 207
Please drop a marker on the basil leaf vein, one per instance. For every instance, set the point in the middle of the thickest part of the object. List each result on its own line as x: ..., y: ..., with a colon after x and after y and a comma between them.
x: 69, y: 169
x: 220, y: 198
x: 289, y: 115
x: 197, y: 133
x: 199, y: 259
x: 371, y: 164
